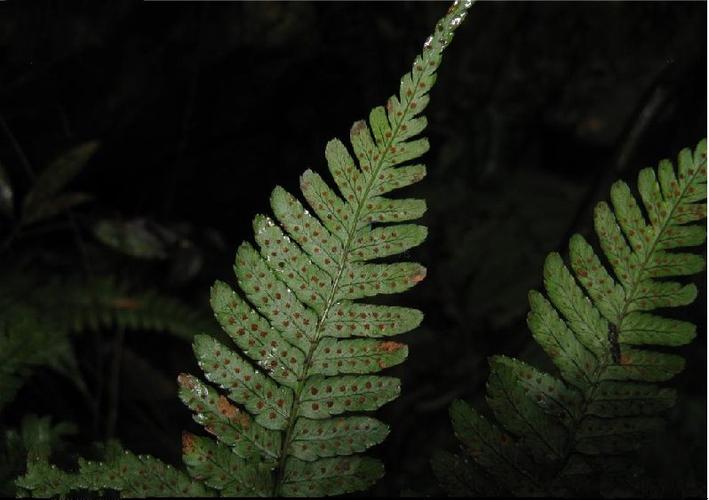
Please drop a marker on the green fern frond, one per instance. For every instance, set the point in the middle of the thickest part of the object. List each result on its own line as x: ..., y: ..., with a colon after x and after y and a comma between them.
x: 47, y: 197
x: 27, y: 342
x: 596, y: 325
x: 107, y: 303
x: 133, y: 476
x: 36, y: 439
x: 307, y: 348
x: 314, y: 347
x: 36, y: 321
x: 76, y: 304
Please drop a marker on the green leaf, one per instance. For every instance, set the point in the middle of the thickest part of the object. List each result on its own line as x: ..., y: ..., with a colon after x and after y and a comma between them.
x: 334, y: 357
x: 330, y: 476
x: 606, y: 294
x: 325, y: 396
x: 41, y: 201
x: 493, y: 449
x: 648, y: 366
x: 605, y: 403
x: 259, y: 394
x: 314, y: 439
x: 307, y: 351
x: 287, y: 261
x: 47, y: 209
x: 27, y: 342
x: 233, y: 427
x: 257, y: 339
x: 640, y: 328
x: 526, y: 402
x: 44, y: 480
x: 134, y: 476
x: 616, y: 399
x: 219, y: 468
x: 302, y: 351
x: 34, y: 441
x: 133, y: 238
x: 581, y: 316
x: 105, y: 302
x: 570, y: 356
x: 40, y: 437
x: 611, y: 436
x: 390, y: 240
x: 368, y: 280
x: 352, y: 319
x: 272, y: 298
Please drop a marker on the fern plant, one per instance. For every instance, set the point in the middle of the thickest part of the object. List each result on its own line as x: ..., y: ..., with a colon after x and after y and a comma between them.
x: 37, y: 320
x: 308, y: 349
x: 109, y: 302
x: 564, y: 435
x: 36, y: 438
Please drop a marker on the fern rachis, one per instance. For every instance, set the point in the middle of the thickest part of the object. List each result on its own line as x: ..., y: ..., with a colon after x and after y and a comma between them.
x: 575, y: 427
x: 386, y: 152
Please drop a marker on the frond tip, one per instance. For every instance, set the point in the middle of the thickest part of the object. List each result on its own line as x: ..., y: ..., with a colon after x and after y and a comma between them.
x: 596, y: 325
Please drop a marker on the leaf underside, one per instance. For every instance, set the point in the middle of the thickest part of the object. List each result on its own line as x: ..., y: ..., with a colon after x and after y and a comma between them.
x: 283, y: 397
x: 559, y: 435
x: 308, y: 349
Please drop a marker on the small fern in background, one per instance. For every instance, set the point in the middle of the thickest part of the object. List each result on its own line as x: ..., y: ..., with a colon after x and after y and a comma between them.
x: 567, y: 435
x: 37, y: 320
x: 107, y: 302
x: 46, y: 304
x: 35, y: 440
x: 308, y: 349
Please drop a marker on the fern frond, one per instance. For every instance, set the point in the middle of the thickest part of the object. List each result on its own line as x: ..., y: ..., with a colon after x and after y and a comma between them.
x: 36, y: 439
x: 27, y: 342
x: 133, y: 476
x: 37, y: 319
x: 106, y: 302
x: 305, y: 349
x: 76, y: 304
x: 596, y: 325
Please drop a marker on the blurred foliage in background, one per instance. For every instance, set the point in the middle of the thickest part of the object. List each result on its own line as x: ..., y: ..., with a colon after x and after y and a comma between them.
x: 137, y: 141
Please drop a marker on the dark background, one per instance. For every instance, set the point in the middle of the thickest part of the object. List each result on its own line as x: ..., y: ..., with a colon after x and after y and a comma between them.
x: 202, y: 108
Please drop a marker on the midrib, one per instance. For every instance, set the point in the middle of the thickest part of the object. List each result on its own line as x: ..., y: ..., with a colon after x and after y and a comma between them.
x: 346, y: 250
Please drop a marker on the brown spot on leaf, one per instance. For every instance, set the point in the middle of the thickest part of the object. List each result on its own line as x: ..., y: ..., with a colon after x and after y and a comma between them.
x: 358, y: 126
x: 389, y: 346
x: 416, y: 278
x: 187, y: 443
x: 232, y: 412
x: 186, y: 381
x: 126, y: 303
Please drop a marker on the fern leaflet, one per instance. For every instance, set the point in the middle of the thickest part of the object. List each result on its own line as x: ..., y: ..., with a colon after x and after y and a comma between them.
x: 593, y: 324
